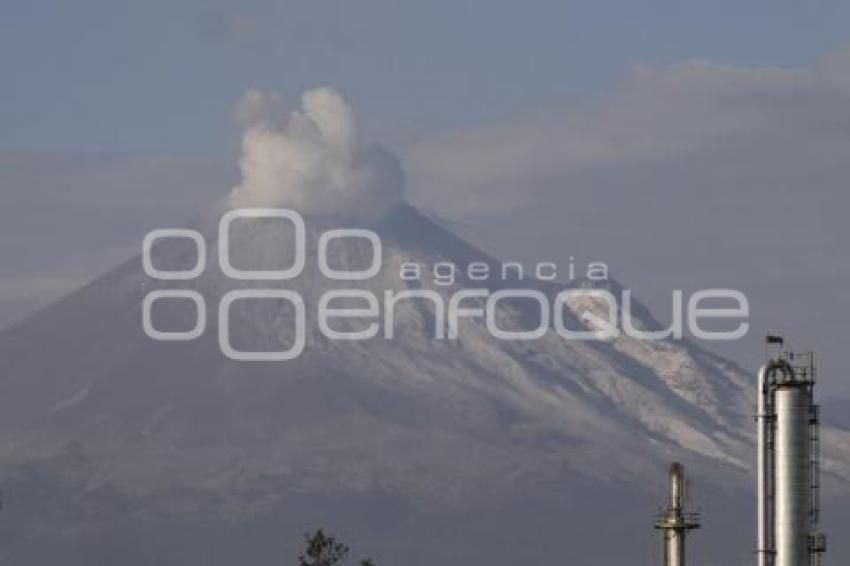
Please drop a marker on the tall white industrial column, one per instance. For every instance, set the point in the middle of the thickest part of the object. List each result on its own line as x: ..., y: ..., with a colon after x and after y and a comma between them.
x: 792, y: 497
x: 788, y: 462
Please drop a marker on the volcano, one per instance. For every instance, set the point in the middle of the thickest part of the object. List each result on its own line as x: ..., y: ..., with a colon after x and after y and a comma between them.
x: 116, y: 448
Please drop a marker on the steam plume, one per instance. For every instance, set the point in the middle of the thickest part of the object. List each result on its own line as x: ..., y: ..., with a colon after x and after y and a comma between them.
x: 313, y: 159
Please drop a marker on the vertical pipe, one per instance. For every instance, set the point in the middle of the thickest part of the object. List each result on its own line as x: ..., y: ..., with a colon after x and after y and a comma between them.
x: 673, y: 521
x: 677, y: 487
x: 674, y: 548
x: 792, y: 472
x: 763, y: 417
x: 674, y: 538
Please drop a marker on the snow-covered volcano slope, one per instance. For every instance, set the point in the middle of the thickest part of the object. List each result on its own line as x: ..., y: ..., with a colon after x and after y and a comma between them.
x: 412, y: 444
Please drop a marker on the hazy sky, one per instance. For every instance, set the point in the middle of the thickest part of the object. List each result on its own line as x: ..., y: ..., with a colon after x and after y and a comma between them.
x: 163, y: 75
x: 686, y: 144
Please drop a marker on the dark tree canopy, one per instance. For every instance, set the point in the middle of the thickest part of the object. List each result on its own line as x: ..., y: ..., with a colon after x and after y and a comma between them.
x: 324, y: 550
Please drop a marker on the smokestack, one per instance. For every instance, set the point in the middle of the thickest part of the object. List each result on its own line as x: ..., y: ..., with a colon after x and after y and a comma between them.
x: 674, y: 522
x: 788, y: 462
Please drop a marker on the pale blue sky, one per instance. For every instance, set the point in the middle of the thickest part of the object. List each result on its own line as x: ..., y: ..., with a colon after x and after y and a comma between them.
x: 160, y: 75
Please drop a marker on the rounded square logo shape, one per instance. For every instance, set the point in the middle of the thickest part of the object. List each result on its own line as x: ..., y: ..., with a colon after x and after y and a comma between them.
x: 352, y: 233
x: 259, y: 274
x: 266, y: 356
x: 169, y: 336
x: 182, y: 275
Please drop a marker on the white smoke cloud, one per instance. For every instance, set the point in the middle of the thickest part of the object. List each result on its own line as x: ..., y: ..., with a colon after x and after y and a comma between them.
x: 313, y: 160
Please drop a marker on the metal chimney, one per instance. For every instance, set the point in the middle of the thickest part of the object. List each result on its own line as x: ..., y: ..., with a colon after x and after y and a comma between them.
x: 674, y: 522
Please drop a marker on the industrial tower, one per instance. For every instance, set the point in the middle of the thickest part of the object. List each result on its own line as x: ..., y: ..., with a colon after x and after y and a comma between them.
x: 674, y: 522
x: 788, y: 461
